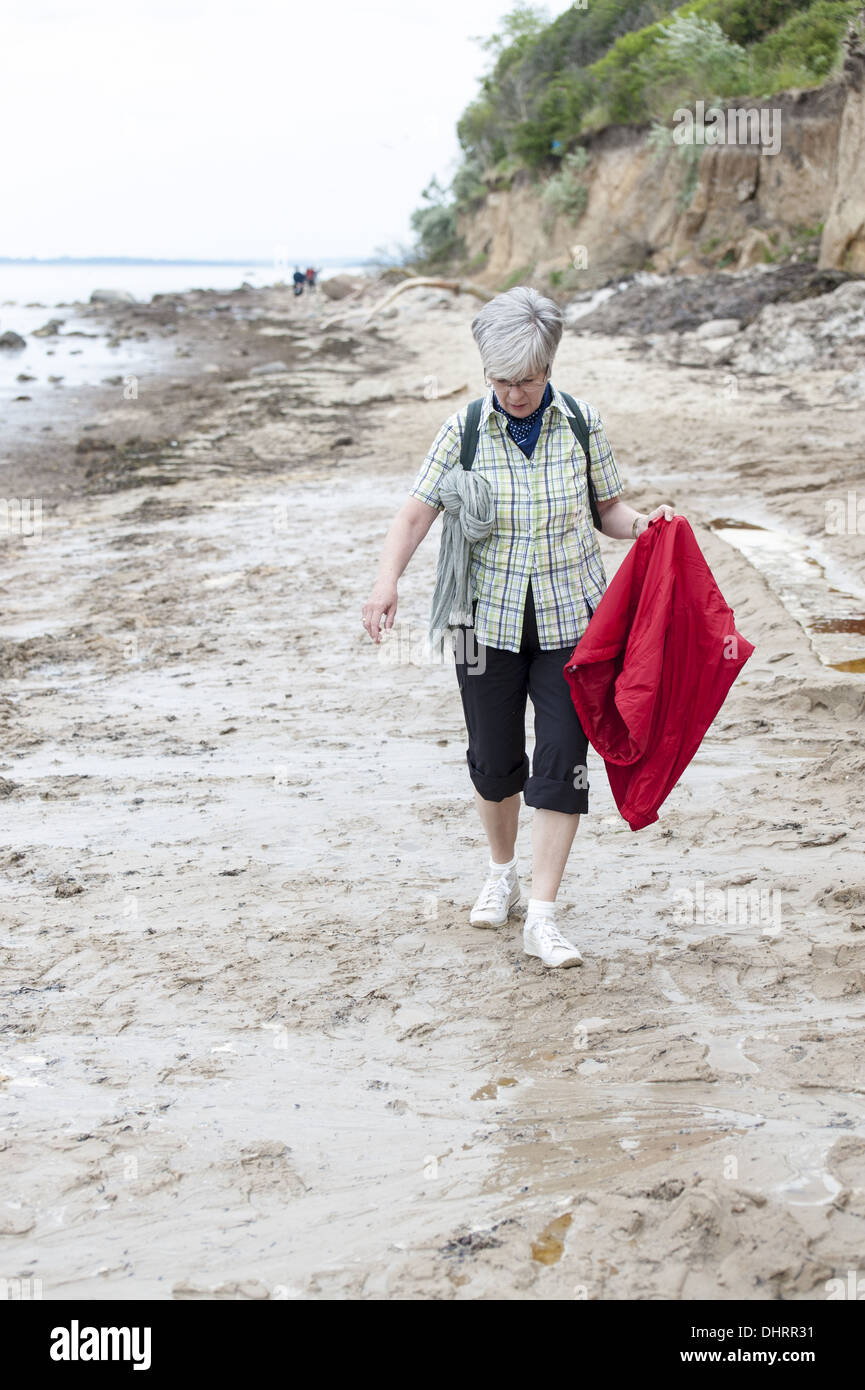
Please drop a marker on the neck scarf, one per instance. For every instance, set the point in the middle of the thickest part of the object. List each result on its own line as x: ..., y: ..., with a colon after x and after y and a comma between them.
x: 519, y: 427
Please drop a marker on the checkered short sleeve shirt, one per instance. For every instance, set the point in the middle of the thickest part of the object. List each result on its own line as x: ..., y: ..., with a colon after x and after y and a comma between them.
x: 543, y: 528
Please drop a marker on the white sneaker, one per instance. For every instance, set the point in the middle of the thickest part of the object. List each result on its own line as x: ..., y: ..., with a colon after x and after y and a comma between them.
x: 499, y: 894
x: 541, y: 937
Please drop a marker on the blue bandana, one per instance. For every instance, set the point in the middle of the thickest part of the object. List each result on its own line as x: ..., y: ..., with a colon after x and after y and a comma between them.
x: 524, y: 429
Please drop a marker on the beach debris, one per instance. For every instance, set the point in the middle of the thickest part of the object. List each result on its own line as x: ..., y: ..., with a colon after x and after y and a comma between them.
x: 852, y: 385
x: 339, y: 345
x: 718, y: 328
x: 252, y: 1289
x: 67, y: 887
x: 268, y: 369
x: 472, y: 1243
x: 647, y: 304
x: 427, y: 282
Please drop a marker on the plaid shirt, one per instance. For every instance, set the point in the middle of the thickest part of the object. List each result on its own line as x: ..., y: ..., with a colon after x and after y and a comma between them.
x: 543, y: 527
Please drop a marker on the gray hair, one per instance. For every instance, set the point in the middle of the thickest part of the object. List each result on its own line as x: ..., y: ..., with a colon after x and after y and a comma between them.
x: 517, y: 334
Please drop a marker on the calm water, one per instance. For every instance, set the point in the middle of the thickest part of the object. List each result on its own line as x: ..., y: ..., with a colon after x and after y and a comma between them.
x: 55, y: 284
x: 30, y: 294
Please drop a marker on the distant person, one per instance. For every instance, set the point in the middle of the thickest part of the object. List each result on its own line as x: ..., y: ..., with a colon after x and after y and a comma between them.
x: 299, y: 280
x: 311, y: 274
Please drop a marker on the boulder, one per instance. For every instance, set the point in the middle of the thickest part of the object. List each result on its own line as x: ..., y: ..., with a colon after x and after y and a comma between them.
x: 112, y: 297
x: 49, y: 329
x: 338, y: 286
x: 718, y: 328
x: 11, y: 340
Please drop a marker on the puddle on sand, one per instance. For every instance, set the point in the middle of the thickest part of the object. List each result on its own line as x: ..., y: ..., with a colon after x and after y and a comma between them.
x: 491, y: 1090
x: 812, y: 1186
x: 800, y: 572
x: 548, y: 1247
x: 857, y: 625
x: 727, y: 1054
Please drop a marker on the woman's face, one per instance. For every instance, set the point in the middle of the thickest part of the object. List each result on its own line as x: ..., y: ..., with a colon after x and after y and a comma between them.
x: 520, y: 397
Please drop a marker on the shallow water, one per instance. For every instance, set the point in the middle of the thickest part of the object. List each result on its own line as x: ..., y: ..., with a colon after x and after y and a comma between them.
x: 827, y: 602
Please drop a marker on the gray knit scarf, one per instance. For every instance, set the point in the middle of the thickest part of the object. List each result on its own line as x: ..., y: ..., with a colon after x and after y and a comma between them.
x: 468, y: 517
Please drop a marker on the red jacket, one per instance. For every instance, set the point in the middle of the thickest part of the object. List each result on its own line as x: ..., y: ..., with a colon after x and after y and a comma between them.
x: 654, y: 666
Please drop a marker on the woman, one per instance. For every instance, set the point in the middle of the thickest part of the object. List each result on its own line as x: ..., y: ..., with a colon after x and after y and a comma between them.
x: 537, y: 577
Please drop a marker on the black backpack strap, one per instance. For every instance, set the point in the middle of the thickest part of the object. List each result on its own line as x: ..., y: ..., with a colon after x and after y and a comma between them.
x: 469, y: 446
x: 577, y: 422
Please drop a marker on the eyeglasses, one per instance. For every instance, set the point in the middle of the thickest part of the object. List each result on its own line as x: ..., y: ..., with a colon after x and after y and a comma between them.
x: 528, y: 384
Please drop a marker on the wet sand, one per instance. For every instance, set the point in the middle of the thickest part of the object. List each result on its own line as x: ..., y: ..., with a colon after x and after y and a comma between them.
x: 252, y: 1047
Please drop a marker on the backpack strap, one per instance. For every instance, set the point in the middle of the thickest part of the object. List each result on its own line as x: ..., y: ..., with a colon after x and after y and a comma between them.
x: 469, y: 446
x: 577, y: 422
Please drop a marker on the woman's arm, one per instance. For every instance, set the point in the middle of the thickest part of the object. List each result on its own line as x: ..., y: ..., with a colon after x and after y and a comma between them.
x: 407, y: 530
x: 617, y: 519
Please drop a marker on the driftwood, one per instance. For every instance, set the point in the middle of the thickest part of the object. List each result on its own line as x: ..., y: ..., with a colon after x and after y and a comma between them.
x: 416, y: 283
x: 424, y: 282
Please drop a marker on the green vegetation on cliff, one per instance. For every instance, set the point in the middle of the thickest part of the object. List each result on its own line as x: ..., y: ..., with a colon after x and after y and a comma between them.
x: 618, y: 62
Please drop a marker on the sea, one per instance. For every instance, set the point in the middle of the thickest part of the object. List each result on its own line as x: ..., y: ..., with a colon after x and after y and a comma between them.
x: 32, y: 292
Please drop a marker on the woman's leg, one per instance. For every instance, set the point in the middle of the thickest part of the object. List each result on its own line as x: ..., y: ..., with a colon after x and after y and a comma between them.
x: 558, y: 787
x: 500, y: 820
x: 552, y: 836
x: 494, y: 688
x: 493, y: 685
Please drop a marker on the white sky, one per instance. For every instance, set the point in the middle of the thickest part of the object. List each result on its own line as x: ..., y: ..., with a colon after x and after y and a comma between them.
x: 236, y: 128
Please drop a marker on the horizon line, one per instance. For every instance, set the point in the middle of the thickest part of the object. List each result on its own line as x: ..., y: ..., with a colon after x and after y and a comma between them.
x: 176, y: 260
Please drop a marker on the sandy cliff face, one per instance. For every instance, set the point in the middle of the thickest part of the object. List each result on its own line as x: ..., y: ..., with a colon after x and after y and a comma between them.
x: 843, y: 243
x: 647, y: 208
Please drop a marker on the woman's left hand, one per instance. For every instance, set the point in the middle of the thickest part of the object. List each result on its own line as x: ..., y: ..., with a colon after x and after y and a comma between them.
x: 664, y: 510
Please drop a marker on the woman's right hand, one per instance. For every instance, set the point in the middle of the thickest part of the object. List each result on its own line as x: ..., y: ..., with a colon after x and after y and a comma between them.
x: 380, y: 610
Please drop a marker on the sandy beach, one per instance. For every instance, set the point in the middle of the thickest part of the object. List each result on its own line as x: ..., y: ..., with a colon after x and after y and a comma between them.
x: 251, y: 1046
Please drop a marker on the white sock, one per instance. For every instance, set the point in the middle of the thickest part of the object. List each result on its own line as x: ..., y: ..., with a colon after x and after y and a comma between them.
x: 510, y: 867
x: 539, y: 908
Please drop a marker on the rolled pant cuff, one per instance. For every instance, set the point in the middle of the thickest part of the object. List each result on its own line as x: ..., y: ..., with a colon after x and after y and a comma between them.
x: 497, y: 788
x: 546, y: 794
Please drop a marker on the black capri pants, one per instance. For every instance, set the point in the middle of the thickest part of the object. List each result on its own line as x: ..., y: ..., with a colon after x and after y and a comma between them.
x: 494, y: 685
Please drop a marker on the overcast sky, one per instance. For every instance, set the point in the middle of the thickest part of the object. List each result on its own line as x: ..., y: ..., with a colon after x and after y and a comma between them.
x: 209, y: 128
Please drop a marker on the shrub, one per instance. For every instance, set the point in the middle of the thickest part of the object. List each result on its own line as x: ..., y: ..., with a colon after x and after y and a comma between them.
x: 565, y: 194
x: 660, y: 138
x: 468, y: 185
x: 691, y: 58
x: 809, y: 44
x: 517, y: 277
x: 435, y: 226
